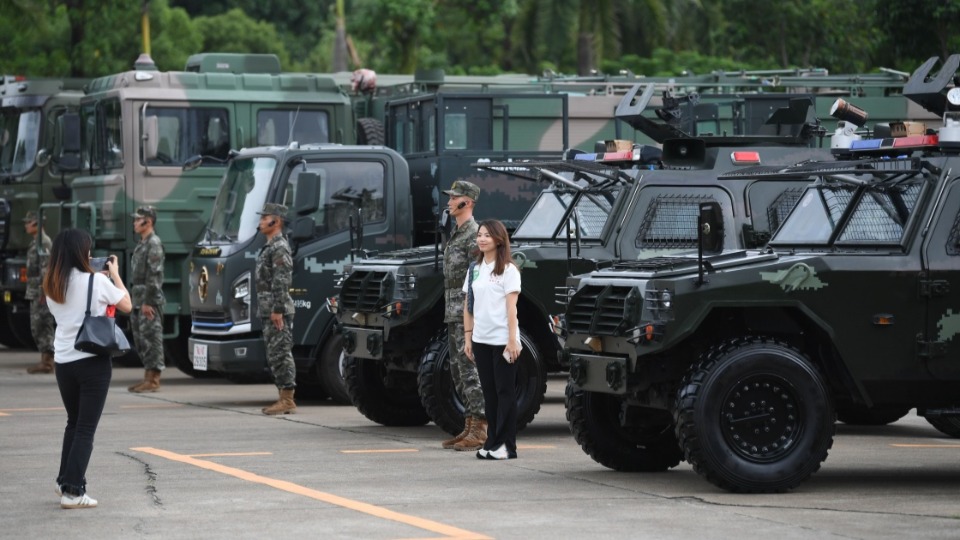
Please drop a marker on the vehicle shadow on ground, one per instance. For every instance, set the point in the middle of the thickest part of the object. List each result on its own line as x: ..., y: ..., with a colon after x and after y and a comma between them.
x: 894, y: 430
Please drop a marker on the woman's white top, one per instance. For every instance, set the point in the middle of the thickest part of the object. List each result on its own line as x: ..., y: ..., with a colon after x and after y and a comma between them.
x: 490, y: 302
x: 69, y: 315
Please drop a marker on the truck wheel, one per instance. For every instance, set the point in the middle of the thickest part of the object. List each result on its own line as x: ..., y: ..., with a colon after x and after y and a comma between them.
x: 859, y: 415
x: 949, y: 425
x: 330, y: 370
x: 594, y: 420
x: 754, y: 416
x: 393, y: 405
x: 370, y: 131
x: 442, y: 402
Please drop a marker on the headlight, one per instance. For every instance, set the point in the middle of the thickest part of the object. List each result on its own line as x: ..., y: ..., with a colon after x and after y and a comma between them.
x: 665, y: 299
x: 241, y: 291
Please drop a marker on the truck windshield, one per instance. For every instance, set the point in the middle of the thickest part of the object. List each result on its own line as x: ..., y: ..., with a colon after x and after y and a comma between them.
x: 19, y: 139
x: 545, y: 217
x: 242, y: 194
x: 877, y: 215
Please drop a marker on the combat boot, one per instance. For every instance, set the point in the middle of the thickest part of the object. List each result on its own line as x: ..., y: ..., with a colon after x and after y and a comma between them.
x: 475, y: 438
x: 284, y: 405
x: 146, y: 373
x: 45, y: 365
x: 151, y: 384
x: 448, y: 444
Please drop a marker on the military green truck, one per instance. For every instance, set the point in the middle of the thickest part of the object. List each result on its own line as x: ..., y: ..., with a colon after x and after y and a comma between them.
x: 739, y: 361
x: 35, y: 167
x: 612, y: 205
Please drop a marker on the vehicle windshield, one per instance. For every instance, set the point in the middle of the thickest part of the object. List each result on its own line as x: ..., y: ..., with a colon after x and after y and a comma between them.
x: 242, y: 194
x: 877, y: 215
x: 19, y: 139
x: 545, y: 217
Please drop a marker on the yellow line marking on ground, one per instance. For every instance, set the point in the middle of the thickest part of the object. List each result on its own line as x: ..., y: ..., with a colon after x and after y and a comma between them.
x: 386, y: 451
x: 234, y: 454
x: 4, y: 414
x: 158, y: 406
x: 448, y: 531
x: 37, y: 409
x: 926, y: 445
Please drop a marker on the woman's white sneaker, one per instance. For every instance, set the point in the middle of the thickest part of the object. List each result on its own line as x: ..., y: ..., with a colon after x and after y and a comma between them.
x: 499, y: 453
x: 79, y: 501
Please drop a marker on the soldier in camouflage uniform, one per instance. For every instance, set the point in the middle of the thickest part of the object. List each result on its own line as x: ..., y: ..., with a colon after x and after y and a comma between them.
x: 146, y: 293
x: 456, y: 260
x: 274, y: 275
x: 42, y: 325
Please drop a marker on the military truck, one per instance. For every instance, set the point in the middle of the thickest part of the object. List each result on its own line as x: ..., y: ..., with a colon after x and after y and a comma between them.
x: 438, y: 135
x: 630, y: 204
x: 738, y: 361
x: 140, y: 127
x: 35, y: 168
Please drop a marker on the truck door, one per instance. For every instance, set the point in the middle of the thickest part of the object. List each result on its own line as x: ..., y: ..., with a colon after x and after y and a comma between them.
x: 941, y: 288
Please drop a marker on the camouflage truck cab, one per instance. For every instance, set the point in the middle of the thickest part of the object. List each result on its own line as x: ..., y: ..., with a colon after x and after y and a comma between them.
x: 740, y: 361
x: 35, y: 168
x: 140, y: 128
x: 631, y: 204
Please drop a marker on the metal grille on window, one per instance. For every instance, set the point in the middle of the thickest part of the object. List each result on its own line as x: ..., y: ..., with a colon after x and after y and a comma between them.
x: 881, y: 216
x: 953, y: 242
x: 781, y: 206
x: 670, y: 222
x: 592, y: 213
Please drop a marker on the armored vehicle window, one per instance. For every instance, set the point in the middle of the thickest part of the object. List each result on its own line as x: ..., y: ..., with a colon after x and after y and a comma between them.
x: 670, y: 222
x: 953, y: 242
x: 242, y: 194
x: 344, y: 185
x: 19, y: 139
x: 781, y: 207
x: 816, y: 216
x: 101, y: 134
x: 545, y: 218
x: 188, y: 132
x: 881, y: 216
x: 274, y: 127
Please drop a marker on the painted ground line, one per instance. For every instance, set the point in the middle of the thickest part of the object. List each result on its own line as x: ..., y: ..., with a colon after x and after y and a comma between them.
x: 232, y: 454
x: 382, y: 451
x: 926, y: 445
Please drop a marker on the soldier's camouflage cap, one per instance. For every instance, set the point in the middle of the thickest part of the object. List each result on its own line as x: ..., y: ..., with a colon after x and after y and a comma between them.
x: 273, y: 209
x: 146, y: 211
x: 462, y: 188
x: 31, y: 217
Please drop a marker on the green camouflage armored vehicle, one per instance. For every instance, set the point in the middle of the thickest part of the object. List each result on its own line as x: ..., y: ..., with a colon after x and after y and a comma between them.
x: 35, y: 167
x: 739, y: 361
x: 612, y: 205
x: 139, y: 129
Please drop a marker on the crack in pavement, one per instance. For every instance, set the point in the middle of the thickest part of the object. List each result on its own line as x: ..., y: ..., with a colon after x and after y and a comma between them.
x: 151, y: 488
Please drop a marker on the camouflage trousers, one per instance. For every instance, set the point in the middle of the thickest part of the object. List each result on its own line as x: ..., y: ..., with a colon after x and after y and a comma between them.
x: 148, y: 338
x: 278, y: 345
x: 464, y: 373
x: 42, y: 325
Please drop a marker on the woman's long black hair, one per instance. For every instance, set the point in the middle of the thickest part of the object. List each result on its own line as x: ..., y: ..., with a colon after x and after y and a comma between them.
x: 70, y: 249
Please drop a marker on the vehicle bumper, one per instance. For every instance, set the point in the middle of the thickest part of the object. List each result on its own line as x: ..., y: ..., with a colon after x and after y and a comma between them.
x: 233, y: 356
x: 599, y: 373
x: 362, y: 342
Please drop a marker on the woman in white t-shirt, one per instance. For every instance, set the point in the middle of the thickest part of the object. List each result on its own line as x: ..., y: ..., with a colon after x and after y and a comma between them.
x: 83, y: 378
x: 493, y: 336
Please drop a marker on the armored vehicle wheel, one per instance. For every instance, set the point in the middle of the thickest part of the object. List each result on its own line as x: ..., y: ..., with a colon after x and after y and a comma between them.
x: 329, y: 368
x: 858, y: 415
x: 754, y: 416
x: 594, y: 420
x: 370, y: 131
x: 442, y: 402
x: 948, y: 425
x: 393, y: 405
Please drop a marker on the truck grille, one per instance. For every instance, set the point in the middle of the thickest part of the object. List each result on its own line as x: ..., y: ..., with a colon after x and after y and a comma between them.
x: 211, y: 319
x: 361, y: 291
x: 597, y: 310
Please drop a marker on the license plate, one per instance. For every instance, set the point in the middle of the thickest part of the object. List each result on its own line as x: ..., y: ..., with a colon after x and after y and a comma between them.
x: 199, y: 356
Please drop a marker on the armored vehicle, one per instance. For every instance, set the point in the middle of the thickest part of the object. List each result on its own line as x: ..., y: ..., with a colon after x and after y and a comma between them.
x: 35, y: 168
x: 739, y: 360
x: 612, y: 205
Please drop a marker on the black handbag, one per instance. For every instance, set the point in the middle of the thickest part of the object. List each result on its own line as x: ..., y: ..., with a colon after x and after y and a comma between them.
x: 100, y: 335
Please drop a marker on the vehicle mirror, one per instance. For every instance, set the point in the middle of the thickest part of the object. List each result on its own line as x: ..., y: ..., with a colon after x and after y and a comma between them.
x: 151, y: 138
x: 307, y: 198
x: 192, y: 163
x: 43, y: 157
x: 303, y: 228
x: 710, y: 223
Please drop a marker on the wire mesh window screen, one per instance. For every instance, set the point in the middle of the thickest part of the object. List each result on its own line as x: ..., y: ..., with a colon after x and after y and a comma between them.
x: 670, y: 222
x: 592, y: 213
x: 781, y: 206
x: 953, y: 241
x: 881, y: 216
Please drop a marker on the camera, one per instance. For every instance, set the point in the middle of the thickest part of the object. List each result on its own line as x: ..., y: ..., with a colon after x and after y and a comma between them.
x: 98, y: 264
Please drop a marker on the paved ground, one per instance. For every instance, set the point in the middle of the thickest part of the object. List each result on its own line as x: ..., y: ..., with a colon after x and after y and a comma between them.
x: 198, y: 460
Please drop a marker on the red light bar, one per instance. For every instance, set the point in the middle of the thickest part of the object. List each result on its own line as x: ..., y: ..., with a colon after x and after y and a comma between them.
x: 617, y: 156
x: 916, y: 140
x: 745, y: 158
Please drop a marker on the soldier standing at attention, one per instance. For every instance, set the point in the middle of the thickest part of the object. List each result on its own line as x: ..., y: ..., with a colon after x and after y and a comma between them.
x: 42, y: 324
x: 274, y: 277
x: 146, y: 320
x: 456, y: 259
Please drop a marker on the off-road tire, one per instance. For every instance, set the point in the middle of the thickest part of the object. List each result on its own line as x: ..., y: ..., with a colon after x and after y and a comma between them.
x: 858, y: 415
x: 786, y: 417
x: 594, y: 420
x: 948, y: 425
x: 329, y: 368
x: 442, y: 402
x: 370, y: 132
x: 388, y: 406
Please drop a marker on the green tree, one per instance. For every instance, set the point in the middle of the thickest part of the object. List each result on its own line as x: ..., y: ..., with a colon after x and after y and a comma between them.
x: 395, y: 30
x: 911, y: 32
x: 235, y: 32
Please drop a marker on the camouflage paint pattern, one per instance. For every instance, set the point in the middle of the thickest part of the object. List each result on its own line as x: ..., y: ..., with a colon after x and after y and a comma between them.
x: 274, y: 275
x: 146, y: 267
x: 800, y: 276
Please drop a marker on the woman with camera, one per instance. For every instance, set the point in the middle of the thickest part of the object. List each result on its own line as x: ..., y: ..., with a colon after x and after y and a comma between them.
x: 83, y: 378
